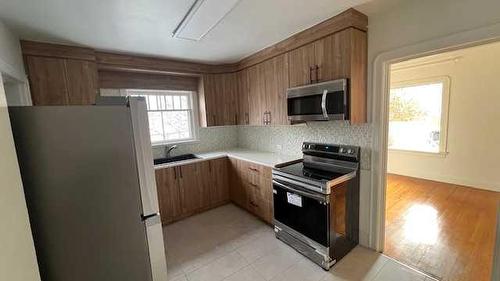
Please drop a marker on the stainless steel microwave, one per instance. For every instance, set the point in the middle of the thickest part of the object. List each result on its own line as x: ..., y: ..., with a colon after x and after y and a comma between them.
x: 319, y: 102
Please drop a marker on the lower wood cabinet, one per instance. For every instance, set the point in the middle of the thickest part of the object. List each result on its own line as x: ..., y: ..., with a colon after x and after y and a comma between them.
x: 193, y: 188
x: 251, y: 188
x: 189, y: 189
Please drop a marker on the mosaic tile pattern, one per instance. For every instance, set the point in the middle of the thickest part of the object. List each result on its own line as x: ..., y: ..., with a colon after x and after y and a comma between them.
x: 288, y: 139
x: 210, y: 139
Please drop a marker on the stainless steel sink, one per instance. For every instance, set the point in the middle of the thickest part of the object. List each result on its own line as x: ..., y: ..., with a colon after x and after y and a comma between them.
x: 177, y: 158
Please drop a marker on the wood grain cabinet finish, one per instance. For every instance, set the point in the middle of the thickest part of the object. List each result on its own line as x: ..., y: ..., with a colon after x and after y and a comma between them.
x: 340, y: 55
x: 193, y: 188
x: 218, y: 178
x: 194, y: 193
x: 219, y: 97
x: 59, y: 81
x: 167, y: 186
x: 251, y: 188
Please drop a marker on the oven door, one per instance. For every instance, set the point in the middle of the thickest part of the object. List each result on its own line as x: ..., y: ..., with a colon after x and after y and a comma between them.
x: 304, y: 211
x: 324, y: 101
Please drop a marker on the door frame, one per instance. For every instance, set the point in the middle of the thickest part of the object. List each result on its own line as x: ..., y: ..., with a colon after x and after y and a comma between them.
x: 380, y: 113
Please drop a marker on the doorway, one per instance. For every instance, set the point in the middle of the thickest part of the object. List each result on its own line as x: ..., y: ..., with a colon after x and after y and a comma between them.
x: 442, y: 190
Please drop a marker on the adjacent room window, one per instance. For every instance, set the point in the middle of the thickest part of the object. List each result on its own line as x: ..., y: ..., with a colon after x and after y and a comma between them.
x: 418, y: 115
x: 171, y: 115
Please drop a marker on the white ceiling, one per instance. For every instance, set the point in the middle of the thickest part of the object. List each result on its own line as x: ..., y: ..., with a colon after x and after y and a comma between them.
x: 145, y: 26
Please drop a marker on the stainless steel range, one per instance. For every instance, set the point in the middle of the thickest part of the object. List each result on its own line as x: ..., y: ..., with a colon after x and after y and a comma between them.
x: 316, y: 202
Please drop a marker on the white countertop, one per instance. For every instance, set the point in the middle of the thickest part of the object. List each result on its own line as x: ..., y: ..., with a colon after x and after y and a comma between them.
x: 269, y: 159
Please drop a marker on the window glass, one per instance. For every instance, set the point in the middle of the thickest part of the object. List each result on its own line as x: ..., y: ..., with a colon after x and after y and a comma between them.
x: 171, y: 115
x: 416, y: 117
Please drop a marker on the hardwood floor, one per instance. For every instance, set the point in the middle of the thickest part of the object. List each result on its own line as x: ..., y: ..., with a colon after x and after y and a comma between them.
x: 442, y: 229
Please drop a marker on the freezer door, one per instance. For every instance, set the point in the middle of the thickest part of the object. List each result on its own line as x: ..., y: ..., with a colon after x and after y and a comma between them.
x: 154, y: 232
x: 80, y: 179
x: 144, y: 156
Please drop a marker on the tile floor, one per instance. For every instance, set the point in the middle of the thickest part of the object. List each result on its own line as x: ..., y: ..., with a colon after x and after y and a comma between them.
x: 229, y: 244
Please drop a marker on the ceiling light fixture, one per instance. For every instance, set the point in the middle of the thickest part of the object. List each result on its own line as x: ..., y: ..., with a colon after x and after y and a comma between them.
x: 202, y: 17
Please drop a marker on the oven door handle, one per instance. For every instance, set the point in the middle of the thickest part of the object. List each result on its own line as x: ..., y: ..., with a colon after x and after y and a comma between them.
x: 319, y: 197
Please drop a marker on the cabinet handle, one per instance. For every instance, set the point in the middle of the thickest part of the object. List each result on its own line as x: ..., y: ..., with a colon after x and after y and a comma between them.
x: 311, y: 68
x: 253, y: 184
x: 247, y: 118
x: 269, y: 118
x: 236, y: 119
x: 213, y: 118
x: 180, y: 172
x: 175, y: 173
x: 209, y: 166
x: 253, y: 169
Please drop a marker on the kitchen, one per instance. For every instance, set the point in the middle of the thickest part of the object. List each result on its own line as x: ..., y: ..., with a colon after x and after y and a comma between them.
x: 225, y: 138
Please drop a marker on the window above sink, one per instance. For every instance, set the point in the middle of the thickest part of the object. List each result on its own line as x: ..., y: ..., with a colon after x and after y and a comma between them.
x: 171, y: 115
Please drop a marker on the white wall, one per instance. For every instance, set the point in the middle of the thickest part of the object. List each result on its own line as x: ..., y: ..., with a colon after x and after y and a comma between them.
x: 394, y: 24
x: 17, y: 254
x: 473, y: 157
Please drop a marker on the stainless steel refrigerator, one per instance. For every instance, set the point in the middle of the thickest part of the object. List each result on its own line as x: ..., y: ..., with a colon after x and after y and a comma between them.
x: 90, y: 189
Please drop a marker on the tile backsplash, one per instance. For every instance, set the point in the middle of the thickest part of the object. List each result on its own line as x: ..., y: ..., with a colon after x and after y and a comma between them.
x: 210, y: 139
x: 289, y: 139
x: 281, y: 139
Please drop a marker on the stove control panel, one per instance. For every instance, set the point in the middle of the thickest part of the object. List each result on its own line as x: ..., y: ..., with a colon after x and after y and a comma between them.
x: 333, y: 149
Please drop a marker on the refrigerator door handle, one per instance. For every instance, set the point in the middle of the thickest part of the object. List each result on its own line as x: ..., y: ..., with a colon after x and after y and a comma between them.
x: 144, y: 155
x: 146, y: 217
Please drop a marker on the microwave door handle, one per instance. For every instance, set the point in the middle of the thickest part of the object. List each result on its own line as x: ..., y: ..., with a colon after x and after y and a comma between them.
x: 323, y: 104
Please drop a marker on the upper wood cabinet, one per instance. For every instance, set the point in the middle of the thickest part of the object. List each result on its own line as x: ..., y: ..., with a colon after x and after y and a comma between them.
x: 218, y: 96
x: 243, y: 98
x: 60, y: 75
x: 267, y: 84
x: 340, y: 55
x: 56, y: 81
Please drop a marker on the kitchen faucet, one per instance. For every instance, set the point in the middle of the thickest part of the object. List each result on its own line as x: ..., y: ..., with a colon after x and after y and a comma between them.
x: 169, y: 149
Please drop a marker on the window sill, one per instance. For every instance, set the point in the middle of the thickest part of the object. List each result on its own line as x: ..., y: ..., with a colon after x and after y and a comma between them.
x: 193, y: 141
x: 442, y: 154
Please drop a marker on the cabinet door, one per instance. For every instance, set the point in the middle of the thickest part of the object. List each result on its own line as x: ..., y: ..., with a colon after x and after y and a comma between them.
x: 256, y: 94
x: 237, y: 191
x: 219, y: 191
x: 276, y: 83
x: 332, y: 56
x: 211, y: 86
x: 243, y: 107
x: 229, y: 99
x: 47, y: 78
x: 81, y: 82
x: 191, y: 188
x: 167, y: 186
x: 300, y: 62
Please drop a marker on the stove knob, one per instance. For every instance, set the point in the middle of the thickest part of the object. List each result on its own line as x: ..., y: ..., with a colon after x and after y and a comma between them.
x: 341, y: 150
x: 350, y: 151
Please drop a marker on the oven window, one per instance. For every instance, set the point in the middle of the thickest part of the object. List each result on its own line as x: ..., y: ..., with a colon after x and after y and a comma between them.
x: 311, y: 219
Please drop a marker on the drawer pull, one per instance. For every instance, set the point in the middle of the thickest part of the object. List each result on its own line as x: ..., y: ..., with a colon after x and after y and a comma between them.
x: 253, y: 169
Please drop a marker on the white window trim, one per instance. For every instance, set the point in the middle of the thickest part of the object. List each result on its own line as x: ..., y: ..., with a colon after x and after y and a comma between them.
x: 443, y: 141
x: 193, y: 97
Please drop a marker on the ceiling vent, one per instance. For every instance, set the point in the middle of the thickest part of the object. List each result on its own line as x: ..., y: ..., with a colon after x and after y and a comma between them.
x: 202, y: 17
